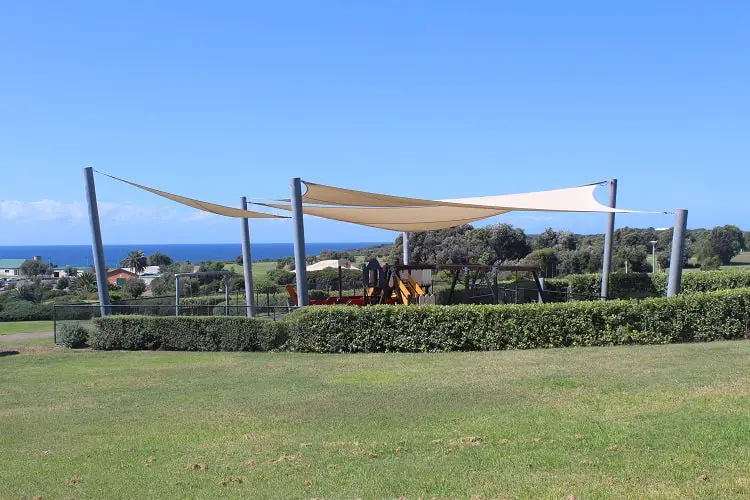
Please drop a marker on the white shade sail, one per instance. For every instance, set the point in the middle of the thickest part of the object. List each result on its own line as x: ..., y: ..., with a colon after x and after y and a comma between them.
x: 574, y: 199
x: 399, y: 218
x: 204, y: 206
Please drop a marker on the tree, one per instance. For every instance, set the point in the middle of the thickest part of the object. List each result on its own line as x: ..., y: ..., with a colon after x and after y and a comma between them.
x: 723, y: 242
x: 85, y: 282
x: 63, y: 283
x: 159, y: 259
x: 32, y: 292
x: 543, y: 258
x: 239, y: 260
x: 136, y: 260
x: 71, y: 271
x: 159, y: 286
x: 135, y: 287
x: 34, y: 268
x: 632, y: 259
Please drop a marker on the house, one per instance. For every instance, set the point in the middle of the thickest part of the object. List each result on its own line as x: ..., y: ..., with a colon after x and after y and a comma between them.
x: 11, y: 267
x: 120, y: 276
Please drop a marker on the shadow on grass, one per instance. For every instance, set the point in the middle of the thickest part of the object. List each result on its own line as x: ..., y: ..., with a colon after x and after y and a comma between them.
x: 8, y: 353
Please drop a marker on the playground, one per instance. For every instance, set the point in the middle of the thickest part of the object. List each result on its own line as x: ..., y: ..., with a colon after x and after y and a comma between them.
x: 624, y: 422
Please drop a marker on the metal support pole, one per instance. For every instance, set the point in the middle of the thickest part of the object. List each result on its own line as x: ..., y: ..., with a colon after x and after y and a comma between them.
x: 247, y: 263
x: 226, y: 295
x: 678, y: 252
x: 341, y: 285
x: 405, y: 238
x: 300, y: 260
x: 176, y: 295
x: 96, y: 241
x: 608, y: 237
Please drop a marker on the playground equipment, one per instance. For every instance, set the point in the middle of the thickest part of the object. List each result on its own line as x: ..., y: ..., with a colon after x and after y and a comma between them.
x: 414, y: 284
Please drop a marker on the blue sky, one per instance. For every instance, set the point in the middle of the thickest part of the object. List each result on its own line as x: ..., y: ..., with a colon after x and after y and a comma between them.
x: 217, y: 100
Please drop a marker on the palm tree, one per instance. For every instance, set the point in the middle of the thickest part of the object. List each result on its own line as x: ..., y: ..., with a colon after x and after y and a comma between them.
x: 136, y: 260
x: 85, y: 282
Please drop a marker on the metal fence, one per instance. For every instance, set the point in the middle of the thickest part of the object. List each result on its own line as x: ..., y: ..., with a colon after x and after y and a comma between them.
x: 83, y: 314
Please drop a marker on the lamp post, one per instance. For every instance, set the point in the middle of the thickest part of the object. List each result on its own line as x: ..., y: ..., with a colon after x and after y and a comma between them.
x: 653, y: 255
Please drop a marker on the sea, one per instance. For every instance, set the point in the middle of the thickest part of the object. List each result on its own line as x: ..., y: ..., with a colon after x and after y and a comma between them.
x: 81, y: 255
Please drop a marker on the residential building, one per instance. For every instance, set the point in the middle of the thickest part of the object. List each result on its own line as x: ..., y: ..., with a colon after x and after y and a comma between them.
x: 11, y: 267
x: 120, y: 276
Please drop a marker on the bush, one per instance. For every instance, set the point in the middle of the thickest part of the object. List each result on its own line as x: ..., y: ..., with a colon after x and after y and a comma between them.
x: 642, y: 285
x: 686, y: 318
x: 23, y: 310
x: 63, y: 283
x: 134, y: 288
x: 187, y: 333
x: 74, y: 336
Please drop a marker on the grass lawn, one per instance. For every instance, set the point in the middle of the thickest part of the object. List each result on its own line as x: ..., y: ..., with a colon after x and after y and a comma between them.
x: 7, y: 328
x: 260, y: 269
x: 655, y: 421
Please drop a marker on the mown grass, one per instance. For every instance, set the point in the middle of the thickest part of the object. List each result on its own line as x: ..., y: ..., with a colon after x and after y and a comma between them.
x: 654, y: 421
x: 260, y: 269
x: 9, y: 327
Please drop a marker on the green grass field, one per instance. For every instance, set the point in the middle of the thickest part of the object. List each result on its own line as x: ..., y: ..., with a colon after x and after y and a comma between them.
x: 7, y: 328
x: 656, y: 421
x: 260, y: 269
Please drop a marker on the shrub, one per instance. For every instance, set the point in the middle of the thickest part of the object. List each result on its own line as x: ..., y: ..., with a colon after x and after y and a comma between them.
x: 187, y: 333
x: 74, y: 336
x: 63, y: 283
x: 134, y: 288
x: 686, y: 318
x: 23, y: 310
x: 642, y: 285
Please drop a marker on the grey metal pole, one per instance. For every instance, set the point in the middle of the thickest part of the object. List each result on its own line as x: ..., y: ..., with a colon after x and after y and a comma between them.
x: 678, y: 251
x: 608, y: 237
x: 300, y: 260
x: 405, y: 237
x: 226, y: 295
x: 653, y: 258
x: 176, y: 295
x: 247, y: 263
x: 96, y: 241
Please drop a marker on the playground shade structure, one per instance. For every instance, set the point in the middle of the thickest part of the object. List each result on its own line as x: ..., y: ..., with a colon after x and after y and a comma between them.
x: 399, y: 213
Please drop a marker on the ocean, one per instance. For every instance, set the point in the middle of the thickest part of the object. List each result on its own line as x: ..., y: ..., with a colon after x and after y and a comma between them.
x: 80, y: 255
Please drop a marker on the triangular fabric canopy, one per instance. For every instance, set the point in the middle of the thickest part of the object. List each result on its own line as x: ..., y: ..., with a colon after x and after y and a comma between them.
x: 574, y: 199
x: 399, y: 218
x: 399, y: 213
x: 202, y: 205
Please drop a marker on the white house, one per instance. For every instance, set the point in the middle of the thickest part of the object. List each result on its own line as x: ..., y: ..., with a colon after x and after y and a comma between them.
x: 11, y: 267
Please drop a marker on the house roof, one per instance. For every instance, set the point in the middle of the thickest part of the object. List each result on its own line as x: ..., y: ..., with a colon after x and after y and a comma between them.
x: 120, y: 270
x: 11, y: 263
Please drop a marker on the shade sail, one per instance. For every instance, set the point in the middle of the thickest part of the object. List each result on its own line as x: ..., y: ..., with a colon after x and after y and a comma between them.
x: 399, y: 218
x: 202, y: 205
x: 574, y: 199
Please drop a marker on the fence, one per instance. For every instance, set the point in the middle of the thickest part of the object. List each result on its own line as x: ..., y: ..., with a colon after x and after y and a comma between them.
x: 82, y: 314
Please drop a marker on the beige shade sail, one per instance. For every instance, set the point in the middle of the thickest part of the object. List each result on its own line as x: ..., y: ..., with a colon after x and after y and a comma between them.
x: 202, y: 205
x: 575, y: 199
x: 399, y: 218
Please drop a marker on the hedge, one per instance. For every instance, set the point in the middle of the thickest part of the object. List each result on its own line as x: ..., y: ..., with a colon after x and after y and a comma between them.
x: 687, y: 318
x: 642, y: 285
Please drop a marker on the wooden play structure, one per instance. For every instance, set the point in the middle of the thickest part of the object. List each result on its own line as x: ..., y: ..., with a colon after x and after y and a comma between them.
x: 413, y: 284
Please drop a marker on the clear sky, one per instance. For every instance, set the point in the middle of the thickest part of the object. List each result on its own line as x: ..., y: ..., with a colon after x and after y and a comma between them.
x: 217, y: 100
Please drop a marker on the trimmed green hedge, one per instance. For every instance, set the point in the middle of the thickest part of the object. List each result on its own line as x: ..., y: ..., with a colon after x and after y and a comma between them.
x: 186, y: 333
x: 688, y: 318
x: 643, y: 285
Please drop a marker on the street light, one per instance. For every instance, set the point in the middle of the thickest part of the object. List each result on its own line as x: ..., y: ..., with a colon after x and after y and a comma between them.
x: 653, y: 255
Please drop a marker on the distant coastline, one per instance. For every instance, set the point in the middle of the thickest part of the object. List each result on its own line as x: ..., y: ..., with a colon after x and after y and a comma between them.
x: 80, y: 255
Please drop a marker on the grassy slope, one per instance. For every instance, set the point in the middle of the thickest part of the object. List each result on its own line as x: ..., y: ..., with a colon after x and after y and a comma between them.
x: 617, y: 422
x: 25, y: 327
x: 260, y: 269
